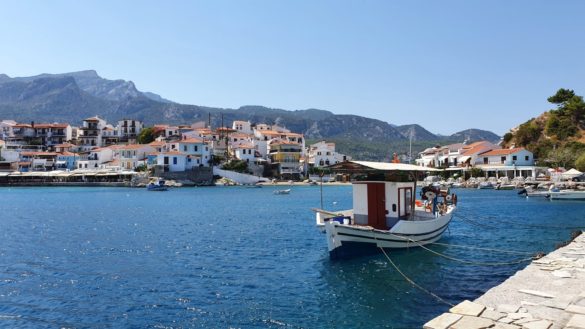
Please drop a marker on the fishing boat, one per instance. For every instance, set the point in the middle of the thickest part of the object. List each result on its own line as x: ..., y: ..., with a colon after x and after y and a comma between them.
x: 567, y: 195
x: 156, y: 184
x: 385, y: 213
x: 287, y: 191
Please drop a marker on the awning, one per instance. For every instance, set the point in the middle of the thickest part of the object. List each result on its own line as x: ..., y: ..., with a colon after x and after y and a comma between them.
x: 464, y: 158
x: 369, y: 166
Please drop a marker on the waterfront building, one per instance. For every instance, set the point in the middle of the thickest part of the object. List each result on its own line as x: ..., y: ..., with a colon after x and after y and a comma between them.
x: 91, y: 133
x: 66, y: 160
x: 196, y: 148
x: 172, y: 161
x: 245, y: 152
x: 323, y: 154
x: 287, y: 156
x: 508, y: 162
x: 95, y: 158
x: 37, y: 161
x: 132, y: 155
x: 128, y: 130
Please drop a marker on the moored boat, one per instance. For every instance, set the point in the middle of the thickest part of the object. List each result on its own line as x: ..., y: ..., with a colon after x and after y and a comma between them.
x: 287, y: 191
x: 567, y: 195
x: 156, y: 184
x: 385, y: 213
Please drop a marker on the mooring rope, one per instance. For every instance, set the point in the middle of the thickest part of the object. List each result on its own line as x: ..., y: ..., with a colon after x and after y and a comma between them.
x: 504, y: 251
x: 494, y: 219
x: 468, y: 262
x: 409, y: 280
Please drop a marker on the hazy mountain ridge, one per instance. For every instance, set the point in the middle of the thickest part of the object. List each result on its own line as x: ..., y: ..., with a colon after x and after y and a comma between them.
x: 72, y: 97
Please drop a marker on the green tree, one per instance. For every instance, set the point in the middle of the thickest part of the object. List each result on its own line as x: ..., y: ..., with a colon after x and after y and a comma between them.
x: 580, y: 163
x: 146, y: 135
x: 508, y: 137
x: 236, y: 165
x: 561, y: 157
x: 561, y: 96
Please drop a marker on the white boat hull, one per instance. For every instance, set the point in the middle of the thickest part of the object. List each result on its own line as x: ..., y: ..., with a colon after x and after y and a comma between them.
x: 344, y: 240
x: 567, y: 195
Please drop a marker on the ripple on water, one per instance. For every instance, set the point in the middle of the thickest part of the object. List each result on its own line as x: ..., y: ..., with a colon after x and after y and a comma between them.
x: 242, y: 258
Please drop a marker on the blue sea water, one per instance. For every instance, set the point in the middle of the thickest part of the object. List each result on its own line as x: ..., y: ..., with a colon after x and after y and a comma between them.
x: 231, y: 257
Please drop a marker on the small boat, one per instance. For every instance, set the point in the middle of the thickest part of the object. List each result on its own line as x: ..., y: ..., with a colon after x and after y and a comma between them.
x: 385, y: 213
x: 537, y: 192
x: 505, y: 187
x: 567, y: 195
x: 156, y: 185
x: 287, y: 191
x: 485, y: 186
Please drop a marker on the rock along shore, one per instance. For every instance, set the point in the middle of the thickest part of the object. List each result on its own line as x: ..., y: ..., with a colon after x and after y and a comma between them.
x: 548, y: 293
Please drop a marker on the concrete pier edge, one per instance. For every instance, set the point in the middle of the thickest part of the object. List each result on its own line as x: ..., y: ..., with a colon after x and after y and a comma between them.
x: 548, y: 293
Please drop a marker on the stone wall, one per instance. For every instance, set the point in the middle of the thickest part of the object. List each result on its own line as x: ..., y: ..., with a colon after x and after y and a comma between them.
x: 198, y: 175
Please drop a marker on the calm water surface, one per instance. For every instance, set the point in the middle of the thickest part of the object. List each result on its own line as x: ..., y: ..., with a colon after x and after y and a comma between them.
x: 229, y: 257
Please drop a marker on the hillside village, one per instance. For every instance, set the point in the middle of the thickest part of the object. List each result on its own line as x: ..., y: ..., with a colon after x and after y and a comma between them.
x: 101, y: 147
x: 261, y: 149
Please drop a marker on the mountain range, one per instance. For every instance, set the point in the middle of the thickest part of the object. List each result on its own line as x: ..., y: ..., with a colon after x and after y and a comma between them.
x: 72, y: 97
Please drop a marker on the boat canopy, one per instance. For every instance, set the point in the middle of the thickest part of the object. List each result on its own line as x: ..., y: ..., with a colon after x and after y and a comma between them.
x: 370, y: 166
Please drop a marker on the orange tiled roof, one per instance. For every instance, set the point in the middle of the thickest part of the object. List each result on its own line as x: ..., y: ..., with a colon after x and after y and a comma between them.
x: 51, y: 125
x: 38, y: 153
x: 191, y: 141
x: 502, y: 151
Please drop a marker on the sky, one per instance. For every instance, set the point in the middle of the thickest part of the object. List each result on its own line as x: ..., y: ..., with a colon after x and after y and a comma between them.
x: 446, y: 65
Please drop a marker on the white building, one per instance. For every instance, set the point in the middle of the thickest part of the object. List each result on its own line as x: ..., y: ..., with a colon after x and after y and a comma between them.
x: 128, y: 130
x: 324, y: 154
x: 244, y: 127
x: 91, y: 133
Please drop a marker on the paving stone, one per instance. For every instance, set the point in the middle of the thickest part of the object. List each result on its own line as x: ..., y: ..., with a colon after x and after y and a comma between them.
x: 576, y: 309
x: 576, y: 322
x: 443, y: 321
x: 518, y: 316
x: 525, y: 303
x: 522, y: 310
x: 524, y: 320
x: 557, y: 303
x: 562, y: 274
x: 492, y: 315
x: 540, y: 324
x: 471, y: 322
x: 507, y: 308
x: 467, y: 308
x: 536, y: 293
x: 506, y: 320
x: 500, y: 325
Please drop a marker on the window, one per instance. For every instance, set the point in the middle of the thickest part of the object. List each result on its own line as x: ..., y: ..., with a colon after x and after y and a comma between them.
x: 485, y: 160
x: 527, y: 158
x: 174, y: 160
x: 185, y: 148
x: 195, y: 148
x: 514, y: 158
x: 206, y: 148
x: 503, y: 159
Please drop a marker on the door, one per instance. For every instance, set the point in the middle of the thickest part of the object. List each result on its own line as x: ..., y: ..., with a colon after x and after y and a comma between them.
x: 377, y: 206
x: 404, y: 201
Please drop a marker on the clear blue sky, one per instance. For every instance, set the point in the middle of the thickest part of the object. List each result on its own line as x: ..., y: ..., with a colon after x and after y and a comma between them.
x: 447, y: 65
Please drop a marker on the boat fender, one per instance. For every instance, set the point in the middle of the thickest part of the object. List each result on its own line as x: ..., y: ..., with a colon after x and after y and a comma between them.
x: 448, y: 198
